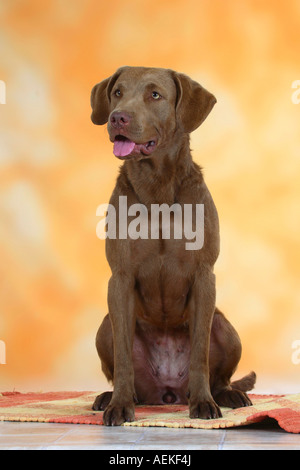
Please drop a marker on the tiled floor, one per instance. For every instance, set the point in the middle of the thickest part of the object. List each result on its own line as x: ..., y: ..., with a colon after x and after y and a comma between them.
x: 267, y: 435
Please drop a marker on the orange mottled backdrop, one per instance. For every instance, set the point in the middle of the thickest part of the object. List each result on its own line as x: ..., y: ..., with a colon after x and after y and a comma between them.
x: 56, y: 168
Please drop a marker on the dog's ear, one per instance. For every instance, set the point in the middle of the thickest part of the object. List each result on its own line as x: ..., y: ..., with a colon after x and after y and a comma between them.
x: 100, y: 98
x: 193, y: 104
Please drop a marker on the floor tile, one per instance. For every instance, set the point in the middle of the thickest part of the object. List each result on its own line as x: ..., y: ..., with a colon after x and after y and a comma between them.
x: 30, y: 435
x: 181, y: 439
x: 265, y: 435
x: 262, y: 436
x: 98, y: 437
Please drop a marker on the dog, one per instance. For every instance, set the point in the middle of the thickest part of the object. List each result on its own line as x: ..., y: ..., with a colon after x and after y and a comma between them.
x: 163, y: 340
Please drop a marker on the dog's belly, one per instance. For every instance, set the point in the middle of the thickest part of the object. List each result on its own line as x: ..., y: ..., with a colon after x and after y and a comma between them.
x: 161, y: 363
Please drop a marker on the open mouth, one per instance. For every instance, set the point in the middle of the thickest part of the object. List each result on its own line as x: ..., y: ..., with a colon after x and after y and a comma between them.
x: 124, y: 147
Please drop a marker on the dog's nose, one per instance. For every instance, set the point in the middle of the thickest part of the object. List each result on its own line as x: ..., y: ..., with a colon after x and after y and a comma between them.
x: 119, y: 120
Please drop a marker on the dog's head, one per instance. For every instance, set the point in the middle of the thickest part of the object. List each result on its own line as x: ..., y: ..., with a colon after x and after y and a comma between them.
x: 145, y: 107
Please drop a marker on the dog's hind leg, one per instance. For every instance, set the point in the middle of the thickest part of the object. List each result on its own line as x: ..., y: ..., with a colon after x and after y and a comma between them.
x: 225, y: 353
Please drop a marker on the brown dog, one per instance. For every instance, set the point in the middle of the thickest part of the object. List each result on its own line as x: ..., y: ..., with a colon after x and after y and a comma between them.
x: 164, y: 341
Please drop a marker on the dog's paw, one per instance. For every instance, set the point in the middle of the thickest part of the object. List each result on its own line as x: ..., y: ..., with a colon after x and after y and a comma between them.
x: 101, y: 401
x: 116, y: 414
x: 204, y: 409
x: 232, y: 398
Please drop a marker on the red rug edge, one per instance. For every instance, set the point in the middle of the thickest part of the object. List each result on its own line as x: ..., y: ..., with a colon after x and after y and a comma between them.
x: 286, y: 419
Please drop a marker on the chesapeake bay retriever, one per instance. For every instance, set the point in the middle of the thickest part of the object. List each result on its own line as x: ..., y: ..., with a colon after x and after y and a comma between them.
x: 164, y: 340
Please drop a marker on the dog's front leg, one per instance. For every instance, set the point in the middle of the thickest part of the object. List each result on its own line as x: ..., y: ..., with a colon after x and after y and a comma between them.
x: 122, y: 316
x: 201, y: 311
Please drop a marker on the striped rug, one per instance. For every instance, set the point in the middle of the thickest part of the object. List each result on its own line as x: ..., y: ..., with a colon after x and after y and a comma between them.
x: 76, y: 407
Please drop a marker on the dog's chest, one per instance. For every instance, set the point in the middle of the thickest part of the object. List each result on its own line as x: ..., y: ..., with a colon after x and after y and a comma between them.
x: 163, y: 282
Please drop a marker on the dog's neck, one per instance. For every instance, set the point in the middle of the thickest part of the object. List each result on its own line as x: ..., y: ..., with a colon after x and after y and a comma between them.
x: 156, y: 180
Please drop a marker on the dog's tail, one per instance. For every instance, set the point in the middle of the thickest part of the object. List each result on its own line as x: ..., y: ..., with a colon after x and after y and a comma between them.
x: 246, y: 383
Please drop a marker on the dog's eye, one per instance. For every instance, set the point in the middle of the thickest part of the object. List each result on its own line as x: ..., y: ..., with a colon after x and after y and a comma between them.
x: 118, y: 93
x: 156, y: 95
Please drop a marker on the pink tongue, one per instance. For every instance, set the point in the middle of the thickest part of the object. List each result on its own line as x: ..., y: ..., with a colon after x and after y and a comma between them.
x: 123, y: 147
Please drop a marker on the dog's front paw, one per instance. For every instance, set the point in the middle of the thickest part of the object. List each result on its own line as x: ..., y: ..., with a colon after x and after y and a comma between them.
x: 116, y: 413
x: 204, y: 409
